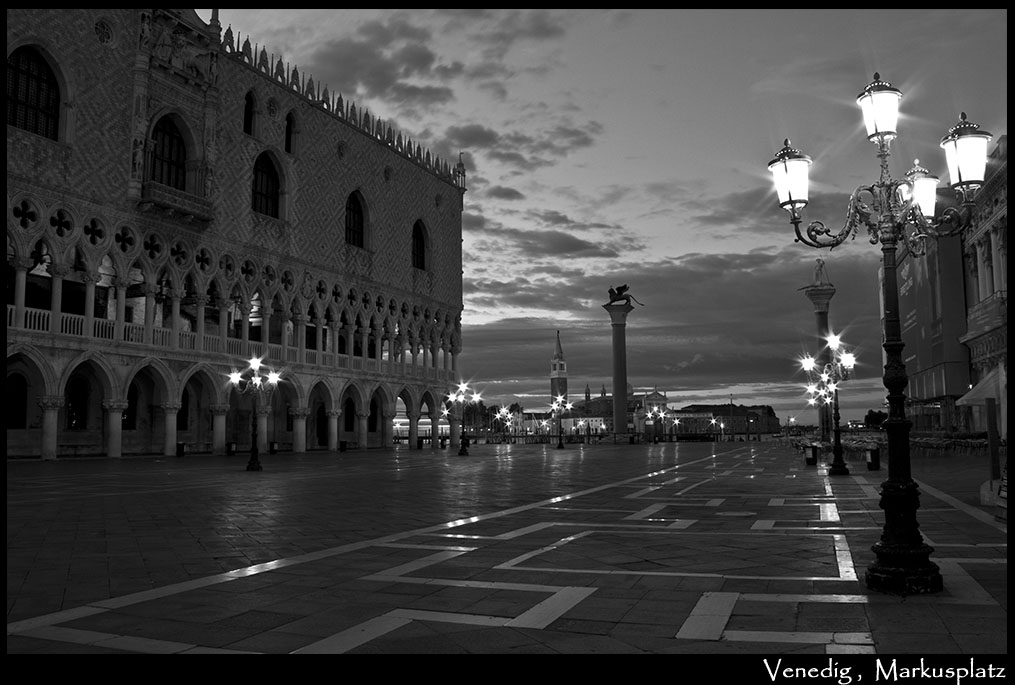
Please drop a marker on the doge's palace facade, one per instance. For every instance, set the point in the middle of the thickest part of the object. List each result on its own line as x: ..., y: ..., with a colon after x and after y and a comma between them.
x: 179, y: 202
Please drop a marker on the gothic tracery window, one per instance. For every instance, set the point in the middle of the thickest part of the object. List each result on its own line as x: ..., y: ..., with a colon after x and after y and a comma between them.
x: 169, y: 157
x: 33, y: 94
x: 267, y: 188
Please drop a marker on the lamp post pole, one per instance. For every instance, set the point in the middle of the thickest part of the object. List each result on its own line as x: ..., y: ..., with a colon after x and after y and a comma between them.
x: 892, y: 210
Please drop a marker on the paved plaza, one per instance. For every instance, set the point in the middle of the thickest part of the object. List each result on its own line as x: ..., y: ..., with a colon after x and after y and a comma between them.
x: 673, y: 548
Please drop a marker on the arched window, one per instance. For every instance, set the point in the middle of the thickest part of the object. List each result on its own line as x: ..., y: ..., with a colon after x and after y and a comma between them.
x: 354, y: 221
x: 169, y: 157
x: 248, y: 114
x: 419, y: 246
x: 265, y: 194
x: 33, y: 94
x: 290, y: 131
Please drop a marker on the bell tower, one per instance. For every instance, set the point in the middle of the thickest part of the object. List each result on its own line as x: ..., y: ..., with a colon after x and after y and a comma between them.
x: 558, y: 373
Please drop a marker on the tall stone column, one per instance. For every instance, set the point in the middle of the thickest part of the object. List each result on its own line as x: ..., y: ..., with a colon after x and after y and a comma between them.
x: 820, y: 294
x: 618, y: 312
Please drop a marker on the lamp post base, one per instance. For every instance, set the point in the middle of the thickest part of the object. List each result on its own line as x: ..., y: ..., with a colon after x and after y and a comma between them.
x: 838, y: 468
x: 904, y: 571
x: 903, y: 565
x: 254, y: 464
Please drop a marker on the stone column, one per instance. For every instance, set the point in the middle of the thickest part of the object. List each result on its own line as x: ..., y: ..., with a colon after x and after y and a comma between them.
x: 262, y: 425
x: 301, y: 337
x: 300, y: 429
x: 996, y: 261
x: 149, y: 312
x: 333, y: 416
x: 362, y: 433
x: 121, y: 308
x: 174, y: 336
x: 223, y: 305
x: 985, y: 279
x: 387, y: 428
x: 266, y: 330
x: 50, y: 405
x: 319, y: 329
x: 200, y: 301
x: 21, y: 268
x: 218, y: 428
x: 170, y: 409
x: 57, y: 274
x: 820, y: 295
x: 413, y: 417
x: 114, y: 426
x: 245, y: 329
x: 618, y: 312
x: 90, y: 279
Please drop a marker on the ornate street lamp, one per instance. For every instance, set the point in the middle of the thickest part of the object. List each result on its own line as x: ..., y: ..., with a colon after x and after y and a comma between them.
x: 255, y: 381
x: 559, y: 406
x: 461, y: 398
x: 824, y: 389
x: 658, y: 416
x: 504, y: 415
x: 893, y: 210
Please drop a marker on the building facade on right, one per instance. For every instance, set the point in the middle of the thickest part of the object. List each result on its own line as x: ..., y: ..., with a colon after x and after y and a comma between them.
x: 985, y: 265
x: 953, y: 307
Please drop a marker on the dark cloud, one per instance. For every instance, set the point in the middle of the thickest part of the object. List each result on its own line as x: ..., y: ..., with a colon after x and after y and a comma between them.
x: 472, y: 136
x: 502, y: 193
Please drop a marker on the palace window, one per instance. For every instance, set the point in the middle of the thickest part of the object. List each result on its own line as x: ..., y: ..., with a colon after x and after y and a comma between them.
x: 354, y: 230
x: 33, y: 94
x: 169, y: 157
x: 419, y: 246
x: 290, y: 131
x: 248, y: 114
x: 266, y: 190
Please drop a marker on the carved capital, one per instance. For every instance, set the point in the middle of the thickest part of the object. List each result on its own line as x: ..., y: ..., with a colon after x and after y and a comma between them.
x: 115, y: 405
x: 58, y: 270
x: 50, y: 402
x: 171, y: 407
x: 299, y: 412
x: 219, y: 409
x: 334, y: 413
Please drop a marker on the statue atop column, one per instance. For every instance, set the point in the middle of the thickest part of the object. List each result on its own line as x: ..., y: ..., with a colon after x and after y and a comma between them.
x: 621, y: 295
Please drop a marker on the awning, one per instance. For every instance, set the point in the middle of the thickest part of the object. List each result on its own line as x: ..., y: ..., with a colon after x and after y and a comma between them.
x: 987, y: 387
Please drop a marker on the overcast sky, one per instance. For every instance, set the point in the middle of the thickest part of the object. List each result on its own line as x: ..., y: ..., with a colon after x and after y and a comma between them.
x: 631, y: 146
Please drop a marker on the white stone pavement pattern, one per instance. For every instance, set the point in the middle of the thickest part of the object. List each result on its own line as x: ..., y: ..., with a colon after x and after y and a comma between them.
x: 694, y: 548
